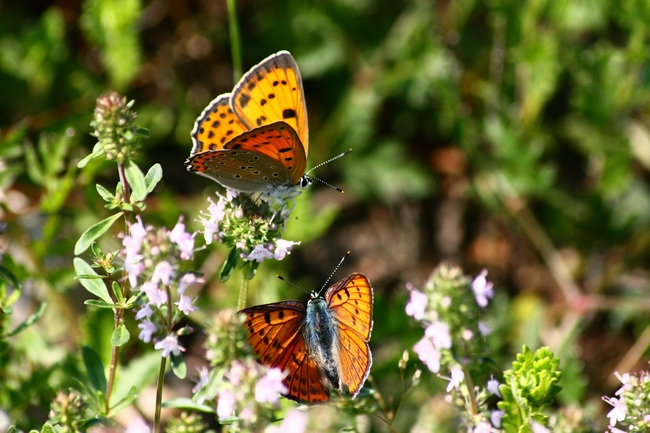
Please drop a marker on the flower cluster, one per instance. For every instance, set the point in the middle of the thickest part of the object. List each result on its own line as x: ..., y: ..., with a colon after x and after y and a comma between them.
x: 448, y: 309
x: 152, y: 259
x: 631, y: 406
x: 115, y: 129
x: 251, y: 227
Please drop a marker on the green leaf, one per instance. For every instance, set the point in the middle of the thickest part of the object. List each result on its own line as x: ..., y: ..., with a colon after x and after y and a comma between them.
x: 126, y: 401
x: 120, y: 336
x: 229, y: 265
x: 117, y: 290
x: 47, y: 428
x: 105, y: 194
x: 95, y: 231
x: 9, y: 277
x: 187, y: 404
x: 178, y: 365
x: 93, y: 285
x: 252, y: 270
x: 98, y: 152
x: 95, y: 368
x: 30, y: 320
x: 136, y: 181
x: 100, y: 304
x: 153, y: 176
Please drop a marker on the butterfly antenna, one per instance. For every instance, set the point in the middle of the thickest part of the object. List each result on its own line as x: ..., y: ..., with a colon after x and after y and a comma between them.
x: 329, y: 160
x: 291, y: 283
x: 333, y: 272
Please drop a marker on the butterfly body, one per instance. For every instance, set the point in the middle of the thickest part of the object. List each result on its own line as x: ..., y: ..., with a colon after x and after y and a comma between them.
x: 255, y: 139
x: 319, y: 344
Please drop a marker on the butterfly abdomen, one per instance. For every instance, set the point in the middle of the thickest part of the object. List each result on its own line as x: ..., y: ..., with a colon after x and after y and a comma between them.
x: 322, y: 339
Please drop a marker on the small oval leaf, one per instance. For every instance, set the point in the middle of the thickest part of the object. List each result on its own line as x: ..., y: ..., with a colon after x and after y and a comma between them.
x: 93, y: 232
x: 136, y: 181
x: 229, y: 265
x: 120, y: 336
x: 94, y: 286
x: 95, y: 368
x: 153, y: 176
x: 178, y: 365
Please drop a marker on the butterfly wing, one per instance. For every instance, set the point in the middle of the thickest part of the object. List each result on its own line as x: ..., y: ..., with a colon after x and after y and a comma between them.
x: 272, y: 91
x: 256, y: 160
x: 350, y: 301
x: 275, y: 333
x: 216, y: 126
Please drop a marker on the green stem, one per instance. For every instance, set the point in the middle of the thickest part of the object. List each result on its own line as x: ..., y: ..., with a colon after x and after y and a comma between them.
x: 235, y: 40
x: 159, y: 390
x: 243, y: 289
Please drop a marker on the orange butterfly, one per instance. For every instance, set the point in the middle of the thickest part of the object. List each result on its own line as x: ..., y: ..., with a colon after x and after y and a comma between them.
x: 319, y: 344
x: 256, y: 139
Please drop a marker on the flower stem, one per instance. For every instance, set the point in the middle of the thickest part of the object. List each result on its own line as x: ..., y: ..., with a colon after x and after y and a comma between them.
x: 159, y: 390
x: 235, y: 40
x: 470, y: 391
x: 243, y: 288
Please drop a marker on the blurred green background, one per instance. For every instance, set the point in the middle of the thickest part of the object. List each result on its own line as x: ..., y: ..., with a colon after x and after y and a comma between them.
x: 512, y: 136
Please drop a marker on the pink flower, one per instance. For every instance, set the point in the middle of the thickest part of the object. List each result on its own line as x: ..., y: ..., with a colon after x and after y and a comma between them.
x: 417, y: 304
x: 137, y: 425
x: 482, y: 427
x: 225, y: 404
x: 482, y: 288
x: 145, y: 312
x: 282, y: 248
x: 439, y: 334
x: 457, y: 377
x: 133, y: 267
x: 163, y: 272
x: 184, y: 240
x: 484, y: 329
x: 538, y: 428
x: 155, y: 296
x: 295, y: 421
x: 146, y: 330
x: 133, y: 242
x: 259, y: 253
x: 496, y: 416
x: 186, y: 281
x: 619, y: 411
x: 493, y: 386
x: 185, y: 304
x: 204, y: 377
x: 169, y: 345
x: 428, y: 354
x: 270, y: 386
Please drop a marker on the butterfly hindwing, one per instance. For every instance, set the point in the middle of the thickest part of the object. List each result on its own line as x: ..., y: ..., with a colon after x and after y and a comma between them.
x: 350, y: 301
x: 216, y: 126
x: 272, y: 91
x: 275, y: 333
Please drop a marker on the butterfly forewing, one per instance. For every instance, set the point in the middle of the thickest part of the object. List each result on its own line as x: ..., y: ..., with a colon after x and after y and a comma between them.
x: 350, y: 301
x: 272, y: 91
x: 275, y: 333
x: 216, y: 126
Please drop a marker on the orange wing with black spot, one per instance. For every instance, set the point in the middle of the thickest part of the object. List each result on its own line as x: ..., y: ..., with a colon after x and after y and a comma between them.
x: 216, y: 126
x: 272, y: 91
x: 350, y: 301
x: 275, y: 333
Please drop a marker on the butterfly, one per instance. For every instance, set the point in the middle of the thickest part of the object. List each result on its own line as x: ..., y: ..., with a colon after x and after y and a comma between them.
x: 319, y: 344
x: 256, y: 139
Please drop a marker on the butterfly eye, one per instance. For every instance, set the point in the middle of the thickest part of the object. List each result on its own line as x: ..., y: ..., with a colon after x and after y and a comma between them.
x: 305, y: 181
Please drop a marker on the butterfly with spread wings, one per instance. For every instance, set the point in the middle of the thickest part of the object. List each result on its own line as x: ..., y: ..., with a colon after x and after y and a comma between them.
x: 319, y: 344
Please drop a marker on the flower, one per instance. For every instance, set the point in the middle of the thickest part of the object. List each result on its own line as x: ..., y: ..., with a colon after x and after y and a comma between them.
x: 282, y: 248
x: 482, y: 288
x: 184, y: 240
x: 484, y: 329
x: 428, y: 354
x: 493, y: 386
x: 225, y: 404
x: 145, y: 312
x: 457, y: 376
x: 186, y: 281
x: 538, y: 428
x: 156, y: 296
x: 482, y: 427
x: 259, y: 253
x: 417, y: 303
x: 163, y: 272
x: 137, y: 425
x: 185, y: 304
x: 133, y: 242
x: 496, y: 416
x: 270, y: 386
x: 439, y: 334
x: 146, y: 329
x: 295, y: 421
x: 133, y: 267
x: 619, y: 411
x: 204, y: 377
x: 169, y: 345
